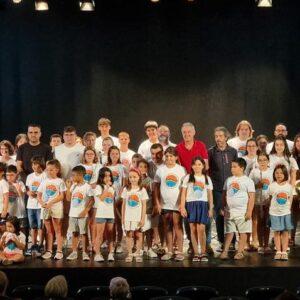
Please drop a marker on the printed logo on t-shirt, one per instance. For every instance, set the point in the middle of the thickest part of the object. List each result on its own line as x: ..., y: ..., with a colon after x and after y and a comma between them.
x: 116, y: 176
x: 109, y: 199
x: 171, y: 180
x: 281, y: 198
x: 88, y: 176
x: 11, y: 245
x: 51, y: 191
x: 34, y: 186
x: 265, y: 182
x: 77, y: 199
x: 12, y: 196
x: 125, y: 162
x: 133, y: 201
x: 234, y: 188
x: 242, y: 150
x: 198, y: 188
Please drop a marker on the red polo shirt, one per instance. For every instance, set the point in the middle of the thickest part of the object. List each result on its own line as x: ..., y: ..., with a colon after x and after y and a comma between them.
x: 186, y: 156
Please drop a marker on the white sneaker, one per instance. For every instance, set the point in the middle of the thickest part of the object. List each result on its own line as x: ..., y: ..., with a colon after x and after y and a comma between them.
x: 98, y: 258
x: 73, y: 256
x: 59, y: 256
x: 119, y: 248
x: 111, y: 257
x: 104, y: 245
x: 47, y: 255
x: 85, y: 256
x: 151, y: 253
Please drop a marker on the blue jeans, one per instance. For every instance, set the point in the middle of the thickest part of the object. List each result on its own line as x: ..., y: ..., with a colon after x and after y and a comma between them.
x: 34, y: 217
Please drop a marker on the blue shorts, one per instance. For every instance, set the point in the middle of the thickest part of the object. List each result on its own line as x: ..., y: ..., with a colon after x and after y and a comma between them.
x: 197, y: 212
x: 34, y: 217
x: 105, y: 220
x: 281, y: 223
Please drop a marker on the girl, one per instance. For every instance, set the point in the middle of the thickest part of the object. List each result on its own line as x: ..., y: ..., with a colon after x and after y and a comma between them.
x: 280, y: 154
x: 51, y: 193
x: 92, y: 167
x: 262, y: 178
x: 118, y: 172
x: 197, y: 205
x: 167, y: 186
x: 281, y: 197
x: 134, y: 198
x: 262, y: 142
x: 243, y: 132
x: 106, y: 144
x: 4, y: 191
x: 135, y: 159
x: 12, y: 242
x: 296, y: 149
x: 251, y: 155
x: 7, y: 152
x: 105, y: 212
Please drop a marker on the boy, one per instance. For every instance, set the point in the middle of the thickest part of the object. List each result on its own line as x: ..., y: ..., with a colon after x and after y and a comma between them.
x: 238, y: 203
x: 125, y: 152
x: 79, y: 193
x: 55, y: 140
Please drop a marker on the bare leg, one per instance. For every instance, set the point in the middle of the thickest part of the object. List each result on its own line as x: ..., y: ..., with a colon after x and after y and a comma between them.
x: 58, y: 232
x: 277, y: 240
x: 284, y: 240
x: 242, y: 242
x: 194, y: 237
x: 99, y: 238
x: 202, y: 237
x: 177, y: 221
x: 49, y: 234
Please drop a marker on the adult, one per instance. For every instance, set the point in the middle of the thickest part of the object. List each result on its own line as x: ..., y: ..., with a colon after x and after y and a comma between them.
x: 104, y: 127
x: 296, y: 149
x: 280, y: 129
x: 220, y: 157
x: 119, y: 289
x: 34, y: 147
x: 56, y: 287
x: 190, y: 148
x: 262, y: 142
x: 125, y: 153
x: 243, y: 133
x: 164, y: 134
x: 151, y: 132
x: 69, y: 153
x: 157, y: 155
x: 3, y: 285
x: 7, y: 153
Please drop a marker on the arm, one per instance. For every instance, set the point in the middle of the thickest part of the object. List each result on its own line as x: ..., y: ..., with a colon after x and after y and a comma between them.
x: 57, y: 199
x: 20, y: 166
x: 40, y: 198
x: 87, y: 208
x: 224, y: 203
x: 123, y: 211
x: 142, y: 222
x: 210, y: 203
x: 5, y: 205
x: 156, y: 198
x: 182, y: 202
x: 68, y: 191
x: 293, y: 174
x: 250, y: 206
x: 19, y: 244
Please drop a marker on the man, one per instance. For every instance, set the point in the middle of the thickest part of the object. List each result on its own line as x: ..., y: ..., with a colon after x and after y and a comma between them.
x: 280, y: 129
x: 151, y: 132
x: 34, y: 147
x: 69, y: 153
x: 157, y: 155
x: 220, y: 157
x: 104, y: 126
x: 190, y: 148
x: 125, y: 153
x: 164, y: 136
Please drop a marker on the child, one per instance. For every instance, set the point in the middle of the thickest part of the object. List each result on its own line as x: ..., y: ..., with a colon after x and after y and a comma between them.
x: 106, y: 144
x: 134, y: 198
x: 33, y: 181
x: 79, y: 193
x: 243, y: 132
x: 4, y: 191
x: 150, y: 228
x: 197, y: 205
x: 55, y: 140
x: 262, y: 178
x: 92, y: 167
x: 105, y: 215
x: 16, y: 202
x: 12, y: 242
x: 238, y: 201
x: 135, y: 159
x: 118, y: 172
x: 280, y: 154
x: 50, y: 195
x: 251, y: 155
x: 295, y: 211
x: 168, y: 179
x: 281, y: 197
x: 126, y: 153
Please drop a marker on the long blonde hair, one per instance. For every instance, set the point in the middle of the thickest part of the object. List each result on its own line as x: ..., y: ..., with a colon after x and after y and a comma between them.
x: 247, y: 123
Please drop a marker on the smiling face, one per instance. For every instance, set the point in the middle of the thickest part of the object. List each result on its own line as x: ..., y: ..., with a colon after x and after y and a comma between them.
x: 188, y: 133
x: 106, y: 145
x: 170, y: 159
x: 279, y: 147
x: 279, y: 175
x: 151, y: 133
x: 198, y: 167
x: 133, y: 178
x: 124, y: 139
x: 244, y: 132
x: 70, y: 138
x: 280, y: 130
x: 10, y: 227
x: 157, y: 155
x: 236, y: 170
x: 251, y: 148
x: 89, y: 156
x: 263, y: 161
x: 107, y: 178
x: 90, y: 141
x: 114, y: 156
x: 52, y: 171
x: 4, y: 151
x: 220, y: 138
x: 11, y: 177
x: 143, y: 168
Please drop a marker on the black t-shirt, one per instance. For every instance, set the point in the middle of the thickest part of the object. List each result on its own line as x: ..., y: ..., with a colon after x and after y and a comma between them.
x: 27, y: 151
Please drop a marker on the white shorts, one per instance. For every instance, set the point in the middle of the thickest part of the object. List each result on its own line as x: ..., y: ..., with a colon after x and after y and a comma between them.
x: 53, y: 212
x: 150, y: 222
x: 238, y: 224
x: 131, y: 226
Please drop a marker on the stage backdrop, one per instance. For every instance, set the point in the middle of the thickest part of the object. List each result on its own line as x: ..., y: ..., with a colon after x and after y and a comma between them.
x: 133, y: 62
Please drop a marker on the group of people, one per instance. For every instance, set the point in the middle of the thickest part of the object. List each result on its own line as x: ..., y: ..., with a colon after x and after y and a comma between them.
x: 96, y: 191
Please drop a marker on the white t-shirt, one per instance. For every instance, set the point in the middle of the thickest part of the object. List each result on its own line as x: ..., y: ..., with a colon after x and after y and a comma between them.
x: 103, y: 159
x: 4, y: 188
x: 79, y: 199
x: 170, y: 180
x: 92, y: 172
x: 270, y: 146
x: 105, y: 207
x: 118, y: 172
x: 69, y: 157
x: 281, y: 199
x: 281, y: 160
x: 99, y: 140
x: 126, y: 157
x: 33, y: 182
x: 133, y: 203
x: 170, y: 144
x: 237, y: 189
x: 16, y: 204
x: 144, y: 149
x: 9, y: 162
x: 197, y: 191
x: 50, y: 189
x: 294, y: 190
x: 239, y: 145
x: 251, y: 164
x: 262, y: 181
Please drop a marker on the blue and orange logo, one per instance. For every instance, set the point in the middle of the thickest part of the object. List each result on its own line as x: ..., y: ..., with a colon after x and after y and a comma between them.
x: 198, y: 188
x: 77, y: 198
x: 51, y: 191
x: 88, y: 176
x: 11, y: 245
x: 34, y: 186
x: 171, y: 181
x: 281, y: 198
x: 133, y: 201
x: 265, y: 182
x: 109, y: 199
x: 12, y: 196
x: 234, y: 188
x: 242, y: 150
x: 116, y: 176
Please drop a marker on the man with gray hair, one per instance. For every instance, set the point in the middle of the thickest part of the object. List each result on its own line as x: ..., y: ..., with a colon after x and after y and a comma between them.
x: 119, y: 289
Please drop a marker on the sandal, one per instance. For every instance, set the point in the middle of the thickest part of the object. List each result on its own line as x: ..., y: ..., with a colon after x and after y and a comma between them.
x: 239, y: 256
x: 277, y: 255
x: 196, y: 258
x: 179, y: 256
x: 129, y: 258
x: 139, y: 259
x: 284, y: 256
x: 167, y: 256
x: 204, y: 257
x: 224, y: 255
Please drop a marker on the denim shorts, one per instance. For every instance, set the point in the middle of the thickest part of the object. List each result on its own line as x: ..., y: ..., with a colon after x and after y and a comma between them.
x: 281, y: 223
x: 105, y: 220
x: 34, y: 218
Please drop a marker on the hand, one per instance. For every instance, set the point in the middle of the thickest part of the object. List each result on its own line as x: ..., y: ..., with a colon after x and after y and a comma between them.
x: 33, y: 194
x: 47, y: 205
x: 142, y: 223
x: 18, y: 187
x: 222, y: 213
x: 157, y: 209
x: 14, y: 239
x: 93, y: 185
x: 183, y: 212
x: 123, y: 222
x: 3, y: 215
x: 210, y: 213
x: 69, y: 183
x: 82, y: 214
x: 248, y: 216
